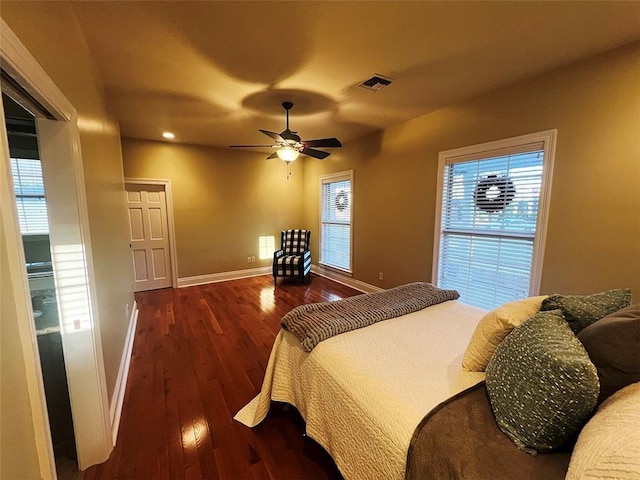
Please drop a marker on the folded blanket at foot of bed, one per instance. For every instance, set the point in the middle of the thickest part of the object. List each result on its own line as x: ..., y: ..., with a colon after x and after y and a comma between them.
x: 315, y: 322
x: 459, y: 439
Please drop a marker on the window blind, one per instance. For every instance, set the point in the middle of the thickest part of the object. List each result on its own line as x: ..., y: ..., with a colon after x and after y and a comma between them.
x: 28, y: 185
x: 335, y: 250
x: 489, y: 218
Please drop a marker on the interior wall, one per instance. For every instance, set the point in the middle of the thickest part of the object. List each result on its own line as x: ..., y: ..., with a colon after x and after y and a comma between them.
x: 52, y: 35
x: 593, y: 239
x: 223, y: 200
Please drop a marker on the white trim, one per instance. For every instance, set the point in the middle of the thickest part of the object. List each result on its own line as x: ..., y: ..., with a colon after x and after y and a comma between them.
x: 539, y: 244
x: 437, y: 225
x: 329, y: 273
x: 548, y: 138
x: 117, y: 398
x: 347, y: 273
x: 166, y: 183
x: 332, y: 274
x: 83, y: 351
x: 223, y: 276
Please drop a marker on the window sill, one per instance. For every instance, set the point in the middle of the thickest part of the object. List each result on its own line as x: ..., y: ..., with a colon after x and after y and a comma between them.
x: 339, y: 270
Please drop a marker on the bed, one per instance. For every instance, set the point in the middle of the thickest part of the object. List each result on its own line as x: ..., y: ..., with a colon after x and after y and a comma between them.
x: 362, y: 393
x: 389, y: 398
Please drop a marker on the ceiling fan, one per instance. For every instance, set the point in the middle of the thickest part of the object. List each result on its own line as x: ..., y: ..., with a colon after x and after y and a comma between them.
x: 289, y: 145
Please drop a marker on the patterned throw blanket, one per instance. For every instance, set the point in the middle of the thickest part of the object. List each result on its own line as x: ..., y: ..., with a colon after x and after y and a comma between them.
x: 315, y: 322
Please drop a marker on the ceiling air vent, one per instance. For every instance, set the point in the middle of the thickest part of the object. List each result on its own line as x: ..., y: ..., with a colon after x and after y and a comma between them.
x: 376, y: 83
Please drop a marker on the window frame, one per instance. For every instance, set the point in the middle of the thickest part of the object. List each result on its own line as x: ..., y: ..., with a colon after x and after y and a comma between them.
x: 330, y: 178
x: 492, y: 149
x: 25, y: 220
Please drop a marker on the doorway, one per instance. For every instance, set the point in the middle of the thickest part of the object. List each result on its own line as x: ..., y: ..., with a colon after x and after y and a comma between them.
x: 151, y: 234
x: 30, y: 199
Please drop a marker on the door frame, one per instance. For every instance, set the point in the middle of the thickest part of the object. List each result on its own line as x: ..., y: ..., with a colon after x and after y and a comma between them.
x: 85, y: 365
x: 166, y: 183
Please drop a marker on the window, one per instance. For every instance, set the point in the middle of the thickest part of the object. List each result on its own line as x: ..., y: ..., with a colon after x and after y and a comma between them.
x: 335, y: 216
x: 266, y: 246
x: 491, y: 221
x: 29, y: 189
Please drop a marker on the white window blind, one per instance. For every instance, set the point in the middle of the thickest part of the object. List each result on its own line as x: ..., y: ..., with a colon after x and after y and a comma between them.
x: 335, y: 214
x: 30, y: 199
x: 489, y: 219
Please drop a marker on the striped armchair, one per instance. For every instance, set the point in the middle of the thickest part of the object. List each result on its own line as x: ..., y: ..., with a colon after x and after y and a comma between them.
x: 294, y: 258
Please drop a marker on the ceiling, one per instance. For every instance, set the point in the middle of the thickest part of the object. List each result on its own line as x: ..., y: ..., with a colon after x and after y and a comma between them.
x: 214, y: 73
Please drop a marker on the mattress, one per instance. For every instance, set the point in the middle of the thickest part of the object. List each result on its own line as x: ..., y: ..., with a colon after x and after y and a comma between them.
x: 363, y: 393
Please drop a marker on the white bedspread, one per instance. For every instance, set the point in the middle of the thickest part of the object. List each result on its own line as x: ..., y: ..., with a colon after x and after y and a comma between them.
x: 363, y: 393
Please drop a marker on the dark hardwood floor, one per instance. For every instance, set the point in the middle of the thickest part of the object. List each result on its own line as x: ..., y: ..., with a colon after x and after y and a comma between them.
x: 199, y: 356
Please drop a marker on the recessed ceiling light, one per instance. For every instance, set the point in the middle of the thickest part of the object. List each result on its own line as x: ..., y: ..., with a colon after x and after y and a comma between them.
x: 168, y: 135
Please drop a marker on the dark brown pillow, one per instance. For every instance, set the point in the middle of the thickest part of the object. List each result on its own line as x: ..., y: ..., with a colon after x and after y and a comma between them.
x: 613, y: 344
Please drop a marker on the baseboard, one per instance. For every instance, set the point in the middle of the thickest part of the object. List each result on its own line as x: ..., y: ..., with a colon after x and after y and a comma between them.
x: 222, y: 276
x: 117, y: 398
x: 255, y: 272
x: 344, y: 279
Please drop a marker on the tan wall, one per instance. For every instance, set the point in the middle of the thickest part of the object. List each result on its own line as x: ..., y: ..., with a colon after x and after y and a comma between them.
x: 224, y: 200
x: 50, y: 33
x: 593, y: 240
x: 18, y: 451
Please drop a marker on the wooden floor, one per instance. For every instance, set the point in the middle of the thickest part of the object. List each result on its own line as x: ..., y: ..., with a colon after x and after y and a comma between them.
x: 199, y: 356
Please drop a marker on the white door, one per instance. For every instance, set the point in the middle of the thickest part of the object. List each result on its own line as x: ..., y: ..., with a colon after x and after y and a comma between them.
x: 149, y: 236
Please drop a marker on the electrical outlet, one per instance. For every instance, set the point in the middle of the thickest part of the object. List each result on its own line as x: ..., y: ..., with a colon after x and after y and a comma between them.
x: 127, y: 311
x: 249, y: 259
x: 253, y: 259
x: 380, y: 276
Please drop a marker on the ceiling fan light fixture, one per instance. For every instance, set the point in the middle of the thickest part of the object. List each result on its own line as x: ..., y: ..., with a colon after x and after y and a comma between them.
x: 289, y: 146
x: 287, y: 154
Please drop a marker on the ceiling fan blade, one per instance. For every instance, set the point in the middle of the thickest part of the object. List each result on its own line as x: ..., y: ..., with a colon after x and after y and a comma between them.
x: 314, y: 153
x: 275, y: 136
x: 323, y: 143
x: 273, y: 155
x: 253, y: 146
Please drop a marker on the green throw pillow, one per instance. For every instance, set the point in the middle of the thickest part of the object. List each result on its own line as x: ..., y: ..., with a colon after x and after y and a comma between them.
x: 580, y: 311
x: 541, y: 383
